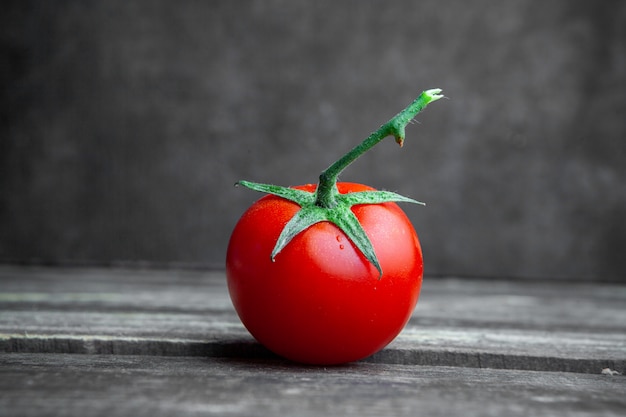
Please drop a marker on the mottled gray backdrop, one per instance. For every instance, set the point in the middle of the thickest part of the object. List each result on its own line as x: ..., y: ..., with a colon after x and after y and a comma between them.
x: 124, y: 125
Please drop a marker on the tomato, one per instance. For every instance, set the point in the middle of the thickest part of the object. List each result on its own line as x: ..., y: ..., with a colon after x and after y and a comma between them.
x: 328, y: 273
x: 320, y: 301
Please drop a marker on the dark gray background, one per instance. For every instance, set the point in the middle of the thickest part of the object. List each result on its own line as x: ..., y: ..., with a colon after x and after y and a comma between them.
x: 124, y: 125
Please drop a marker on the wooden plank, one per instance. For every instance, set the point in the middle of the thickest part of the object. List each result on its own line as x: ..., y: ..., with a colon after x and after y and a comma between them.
x: 530, y: 325
x: 117, y: 385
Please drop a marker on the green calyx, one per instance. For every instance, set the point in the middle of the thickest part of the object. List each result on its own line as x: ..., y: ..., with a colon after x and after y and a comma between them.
x: 327, y: 204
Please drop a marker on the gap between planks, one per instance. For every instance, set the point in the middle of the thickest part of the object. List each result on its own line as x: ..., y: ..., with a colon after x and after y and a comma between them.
x: 250, y: 349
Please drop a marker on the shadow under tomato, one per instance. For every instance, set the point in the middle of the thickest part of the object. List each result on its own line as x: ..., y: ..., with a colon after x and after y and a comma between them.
x: 248, y: 353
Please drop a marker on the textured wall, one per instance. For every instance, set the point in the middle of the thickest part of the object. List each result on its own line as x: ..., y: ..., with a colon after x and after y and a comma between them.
x: 124, y: 125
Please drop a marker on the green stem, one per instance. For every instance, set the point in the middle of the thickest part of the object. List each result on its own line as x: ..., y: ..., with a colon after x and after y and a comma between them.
x: 327, y: 188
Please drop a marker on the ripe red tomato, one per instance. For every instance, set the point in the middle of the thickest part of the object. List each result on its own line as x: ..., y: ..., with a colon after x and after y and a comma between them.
x: 321, y: 301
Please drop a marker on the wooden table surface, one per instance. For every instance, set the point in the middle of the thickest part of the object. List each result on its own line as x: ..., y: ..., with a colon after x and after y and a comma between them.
x: 115, y: 342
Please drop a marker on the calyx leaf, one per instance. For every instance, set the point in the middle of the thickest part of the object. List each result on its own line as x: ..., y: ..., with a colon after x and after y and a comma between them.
x: 340, y: 215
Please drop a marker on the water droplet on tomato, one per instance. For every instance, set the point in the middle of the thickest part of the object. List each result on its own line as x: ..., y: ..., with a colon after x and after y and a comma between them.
x: 341, y: 247
x: 338, y: 238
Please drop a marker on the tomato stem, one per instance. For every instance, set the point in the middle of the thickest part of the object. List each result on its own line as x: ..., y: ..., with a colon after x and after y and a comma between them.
x: 326, y: 195
x: 327, y: 204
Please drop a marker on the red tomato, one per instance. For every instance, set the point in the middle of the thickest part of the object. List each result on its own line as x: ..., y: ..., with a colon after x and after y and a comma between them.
x: 321, y: 301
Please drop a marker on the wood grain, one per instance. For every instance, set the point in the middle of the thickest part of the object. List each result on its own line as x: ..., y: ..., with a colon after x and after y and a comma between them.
x: 115, y: 342
x: 117, y: 385
x: 529, y: 325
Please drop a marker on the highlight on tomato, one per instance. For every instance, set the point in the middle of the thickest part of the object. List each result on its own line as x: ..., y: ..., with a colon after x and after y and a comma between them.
x: 328, y: 273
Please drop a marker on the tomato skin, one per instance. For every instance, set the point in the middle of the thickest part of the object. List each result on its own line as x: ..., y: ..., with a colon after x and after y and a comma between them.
x: 321, y: 301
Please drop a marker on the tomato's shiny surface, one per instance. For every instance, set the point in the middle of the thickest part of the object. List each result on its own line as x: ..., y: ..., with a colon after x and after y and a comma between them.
x: 321, y: 301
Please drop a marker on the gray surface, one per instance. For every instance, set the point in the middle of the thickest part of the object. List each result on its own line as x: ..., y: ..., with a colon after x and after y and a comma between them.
x: 115, y: 342
x: 85, y: 385
x: 511, y: 325
x: 121, y: 122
